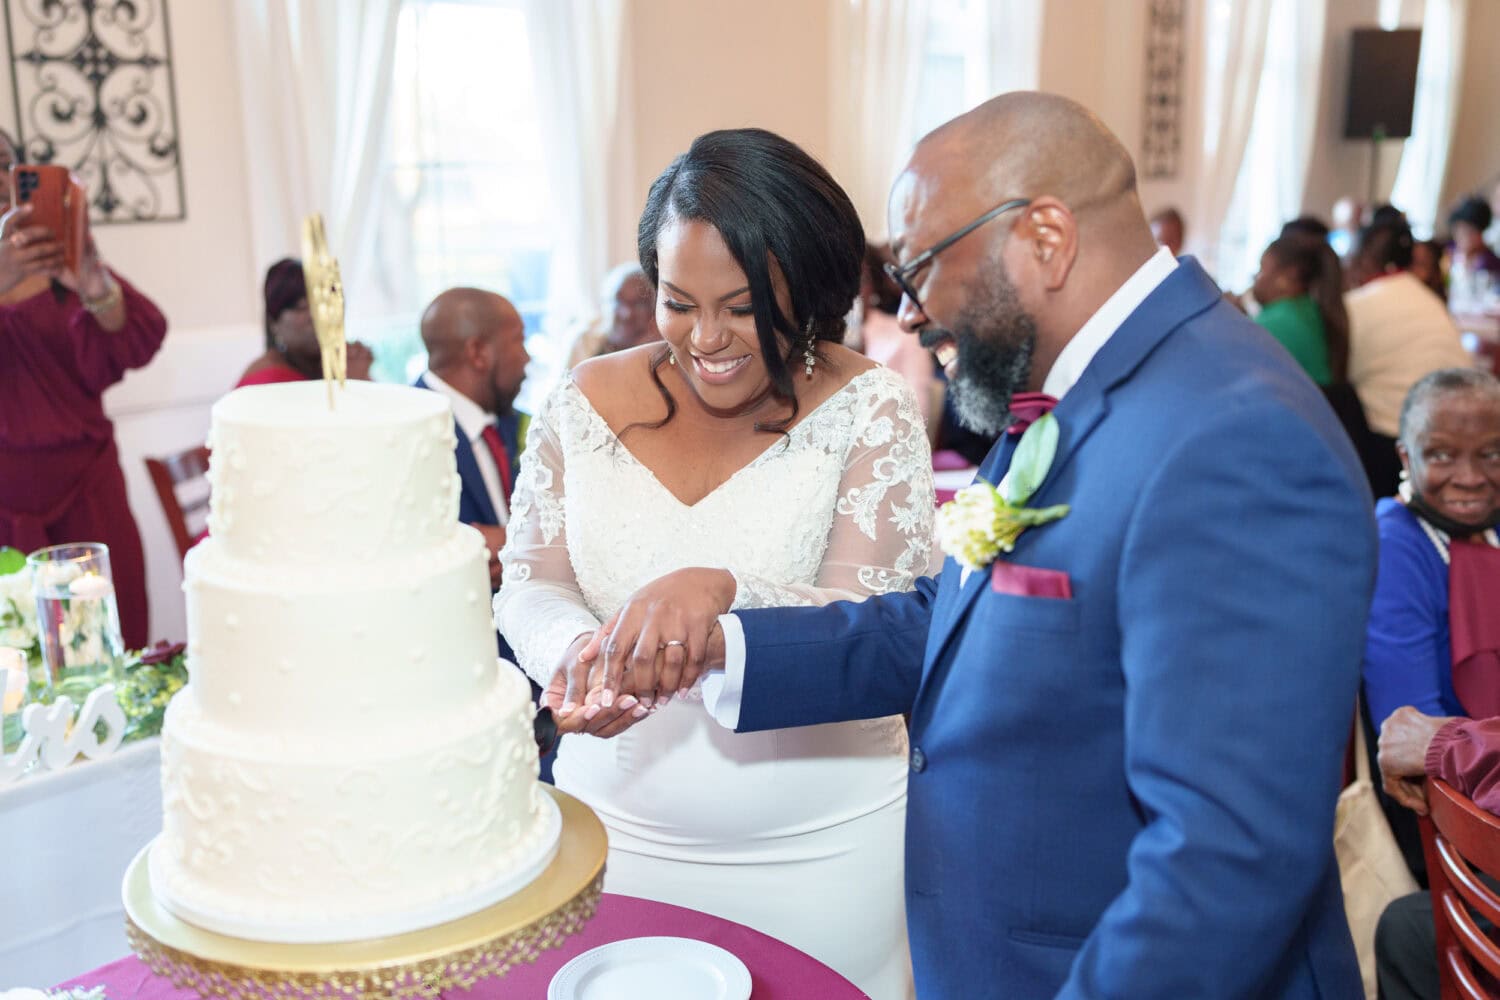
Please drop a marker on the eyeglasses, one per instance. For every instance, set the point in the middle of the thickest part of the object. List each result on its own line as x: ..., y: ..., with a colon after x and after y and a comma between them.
x: 902, y: 275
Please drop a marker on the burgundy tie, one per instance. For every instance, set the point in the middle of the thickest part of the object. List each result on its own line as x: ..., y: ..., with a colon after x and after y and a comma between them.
x: 1026, y: 408
x: 491, y: 435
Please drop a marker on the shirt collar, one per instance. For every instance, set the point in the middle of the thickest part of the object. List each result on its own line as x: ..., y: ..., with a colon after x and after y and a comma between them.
x: 472, y: 418
x: 1095, y: 333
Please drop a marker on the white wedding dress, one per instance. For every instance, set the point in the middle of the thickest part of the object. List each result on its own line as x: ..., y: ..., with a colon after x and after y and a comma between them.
x: 798, y: 832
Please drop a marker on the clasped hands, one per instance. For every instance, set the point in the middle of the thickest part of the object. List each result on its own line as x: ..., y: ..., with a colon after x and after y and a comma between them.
x: 656, y: 646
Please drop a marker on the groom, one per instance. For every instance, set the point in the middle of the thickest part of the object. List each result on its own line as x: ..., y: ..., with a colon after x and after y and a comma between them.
x: 1126, y: 733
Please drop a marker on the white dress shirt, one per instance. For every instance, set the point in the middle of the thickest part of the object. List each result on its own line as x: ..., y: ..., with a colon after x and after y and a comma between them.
x: 472, y: 420
x: 721, y: 689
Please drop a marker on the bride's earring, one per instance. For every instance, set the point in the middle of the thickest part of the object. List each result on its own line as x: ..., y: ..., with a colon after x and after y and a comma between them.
x: 808, y: 357
x: 671, y: 357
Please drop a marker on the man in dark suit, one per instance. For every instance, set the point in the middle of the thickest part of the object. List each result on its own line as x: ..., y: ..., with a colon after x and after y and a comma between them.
x: 476, y: 356
x: 1127, y: 732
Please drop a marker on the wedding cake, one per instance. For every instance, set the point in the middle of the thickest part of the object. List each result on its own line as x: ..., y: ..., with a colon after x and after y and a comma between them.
x: 348, y: 760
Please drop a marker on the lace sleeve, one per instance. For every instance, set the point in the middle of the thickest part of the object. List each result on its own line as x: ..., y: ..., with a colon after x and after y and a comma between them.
x: 881, y: 537
x: 540, y: 609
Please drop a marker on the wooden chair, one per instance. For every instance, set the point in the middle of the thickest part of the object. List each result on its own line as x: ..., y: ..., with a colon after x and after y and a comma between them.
x: 181, y: 482
x: 1461, y: 840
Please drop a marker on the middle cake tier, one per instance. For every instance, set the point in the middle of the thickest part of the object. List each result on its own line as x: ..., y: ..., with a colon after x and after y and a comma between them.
x: 282, y: 649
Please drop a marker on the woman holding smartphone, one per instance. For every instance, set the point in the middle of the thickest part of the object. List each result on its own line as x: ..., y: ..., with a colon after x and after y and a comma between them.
x: 66, y: 335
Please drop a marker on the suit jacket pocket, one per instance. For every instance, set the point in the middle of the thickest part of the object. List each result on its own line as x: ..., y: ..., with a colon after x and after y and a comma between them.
x: 1044, y: 939
x: 1014, y: 611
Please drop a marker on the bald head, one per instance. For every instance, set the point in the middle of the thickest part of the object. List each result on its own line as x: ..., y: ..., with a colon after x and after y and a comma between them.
x: 1019, y: 283
x: 459, y: 315
x: 475, y: 342
x: 1028, y: 144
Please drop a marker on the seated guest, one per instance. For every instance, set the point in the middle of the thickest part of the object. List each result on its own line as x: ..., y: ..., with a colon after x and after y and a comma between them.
x: 1168, y: 229
x: 65, y: 337
x: 1427, y: 266
x: 1348, y: 216
x: 476, y: 356
x: 629, y: 309
x: 1398, y: 332
x: 1470, y: 262
x: 1305, y: 225
x: 1300, y: 288
x: 292, y: 353
x: 1429, y: 624
x: 1413, y: 747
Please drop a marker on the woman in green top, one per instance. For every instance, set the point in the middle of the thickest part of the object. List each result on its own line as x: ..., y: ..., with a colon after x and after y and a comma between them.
x: 1300, y: 287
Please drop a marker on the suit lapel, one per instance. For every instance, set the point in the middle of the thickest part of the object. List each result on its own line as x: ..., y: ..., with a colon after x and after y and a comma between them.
x: 470, y: 478
x: 1187, y: 292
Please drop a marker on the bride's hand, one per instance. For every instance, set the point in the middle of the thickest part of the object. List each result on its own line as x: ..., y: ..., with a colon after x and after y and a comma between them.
x: 573, y: 696
x: 661, y: 635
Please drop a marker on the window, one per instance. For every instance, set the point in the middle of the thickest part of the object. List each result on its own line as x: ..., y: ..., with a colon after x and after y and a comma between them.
x: 953, y: 76
x: 465, y: 197
x: 973, y: 50
x: 1272, y: 176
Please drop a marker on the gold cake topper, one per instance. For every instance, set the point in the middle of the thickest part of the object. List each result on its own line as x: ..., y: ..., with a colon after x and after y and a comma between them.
x: 325, y: 300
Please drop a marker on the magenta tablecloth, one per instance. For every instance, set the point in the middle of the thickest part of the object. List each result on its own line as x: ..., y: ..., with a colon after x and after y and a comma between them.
x: 777, y: 971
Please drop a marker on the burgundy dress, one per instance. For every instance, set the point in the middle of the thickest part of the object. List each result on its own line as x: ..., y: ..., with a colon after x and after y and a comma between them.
x: 60, y: 478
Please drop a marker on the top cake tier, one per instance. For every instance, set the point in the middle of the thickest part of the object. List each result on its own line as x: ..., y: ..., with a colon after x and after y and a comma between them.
x: 298, y: 483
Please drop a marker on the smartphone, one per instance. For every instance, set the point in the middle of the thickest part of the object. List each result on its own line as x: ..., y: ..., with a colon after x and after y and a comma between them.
x: 58, y: 202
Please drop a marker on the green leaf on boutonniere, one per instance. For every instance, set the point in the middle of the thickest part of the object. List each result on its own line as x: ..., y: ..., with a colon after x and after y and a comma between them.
x: 1033, y: 457
x: 11, y: 561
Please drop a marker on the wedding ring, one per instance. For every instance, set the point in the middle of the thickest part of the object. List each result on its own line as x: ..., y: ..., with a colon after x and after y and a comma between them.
x: 673, y: 642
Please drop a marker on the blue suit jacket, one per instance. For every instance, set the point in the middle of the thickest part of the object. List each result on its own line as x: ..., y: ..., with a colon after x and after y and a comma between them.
x: 1129, y: 793
x: 474, y: 504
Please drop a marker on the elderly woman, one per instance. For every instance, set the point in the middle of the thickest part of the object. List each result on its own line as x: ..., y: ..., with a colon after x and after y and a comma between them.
x: 1432, y: 640
x: 292, y: 353
x: 628, y: 304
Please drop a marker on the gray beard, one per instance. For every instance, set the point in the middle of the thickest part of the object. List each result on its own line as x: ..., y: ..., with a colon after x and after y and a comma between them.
x: 987, y: 379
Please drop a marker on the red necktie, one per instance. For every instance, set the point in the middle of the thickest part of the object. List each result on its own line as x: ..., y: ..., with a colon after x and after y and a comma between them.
x: 491, y: 435
x: 1026, y: 408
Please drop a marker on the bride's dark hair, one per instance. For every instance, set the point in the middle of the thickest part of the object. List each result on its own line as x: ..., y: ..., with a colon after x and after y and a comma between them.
x: 767, y: 198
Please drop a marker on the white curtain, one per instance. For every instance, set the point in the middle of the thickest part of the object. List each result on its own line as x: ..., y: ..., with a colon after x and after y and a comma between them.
x: 315, y: 80
x: 578, y: 48
x: 1424, y: 157
x: 876, y: 64
x: 1015, y: 45
x: 1273, y: 171
x: 1234, y: 40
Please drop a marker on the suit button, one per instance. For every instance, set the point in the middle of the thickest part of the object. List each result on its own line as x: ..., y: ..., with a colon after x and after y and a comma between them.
x: 918, y: 760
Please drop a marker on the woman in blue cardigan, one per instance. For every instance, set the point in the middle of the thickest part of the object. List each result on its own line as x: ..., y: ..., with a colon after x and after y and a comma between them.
x: 1438, y: 561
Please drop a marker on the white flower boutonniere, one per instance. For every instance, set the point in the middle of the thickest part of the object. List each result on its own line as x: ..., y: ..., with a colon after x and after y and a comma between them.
x: 979, y: 523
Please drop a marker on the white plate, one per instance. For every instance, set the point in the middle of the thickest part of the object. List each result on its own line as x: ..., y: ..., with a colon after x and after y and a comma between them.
x: 652, y: 968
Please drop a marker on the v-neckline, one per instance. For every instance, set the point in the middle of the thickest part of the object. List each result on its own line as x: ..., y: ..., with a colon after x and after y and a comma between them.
x: 651, y: 473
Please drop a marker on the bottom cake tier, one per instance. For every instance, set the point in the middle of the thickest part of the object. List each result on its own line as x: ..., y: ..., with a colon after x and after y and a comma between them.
x: 338, y: 838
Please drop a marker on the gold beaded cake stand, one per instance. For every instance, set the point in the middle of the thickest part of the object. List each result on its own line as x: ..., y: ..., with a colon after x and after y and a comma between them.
x: 417, y: 964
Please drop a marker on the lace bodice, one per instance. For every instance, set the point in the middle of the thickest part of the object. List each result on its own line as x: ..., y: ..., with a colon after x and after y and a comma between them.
x: 840, y: 508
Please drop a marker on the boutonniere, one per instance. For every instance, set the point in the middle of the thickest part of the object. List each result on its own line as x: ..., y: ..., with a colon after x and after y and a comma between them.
x: 979, y: 522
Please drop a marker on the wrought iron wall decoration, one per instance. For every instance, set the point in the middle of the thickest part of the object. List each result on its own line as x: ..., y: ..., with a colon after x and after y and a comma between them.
x: 1162, y: 144
x: 93, y: 90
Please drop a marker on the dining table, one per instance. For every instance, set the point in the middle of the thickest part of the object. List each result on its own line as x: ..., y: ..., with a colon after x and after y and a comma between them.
x: 777, y: 970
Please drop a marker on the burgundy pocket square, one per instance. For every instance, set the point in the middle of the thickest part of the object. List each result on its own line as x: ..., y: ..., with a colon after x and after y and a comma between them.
x: 1029, y: 581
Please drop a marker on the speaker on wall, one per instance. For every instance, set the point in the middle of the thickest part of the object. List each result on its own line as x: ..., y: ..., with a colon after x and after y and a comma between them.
x: 1382, y: 82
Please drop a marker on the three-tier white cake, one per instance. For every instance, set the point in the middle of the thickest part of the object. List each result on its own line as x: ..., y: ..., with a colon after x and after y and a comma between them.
x: 348, y: 760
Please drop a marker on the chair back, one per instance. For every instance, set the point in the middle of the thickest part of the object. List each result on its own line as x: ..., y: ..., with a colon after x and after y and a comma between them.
x: 181, y: 482
x: 1461, y: 841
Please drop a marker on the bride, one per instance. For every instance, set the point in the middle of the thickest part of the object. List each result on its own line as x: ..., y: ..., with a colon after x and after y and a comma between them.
x: 751, y: 441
